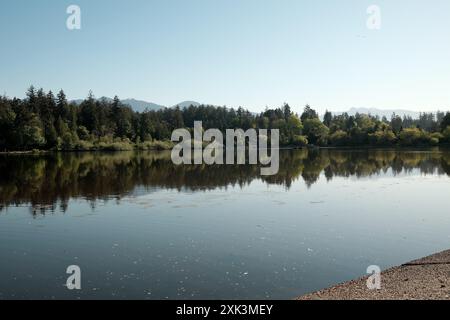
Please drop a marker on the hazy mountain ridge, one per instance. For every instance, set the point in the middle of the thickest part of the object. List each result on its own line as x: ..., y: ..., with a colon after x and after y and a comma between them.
x: 136, y: 105
x: 141, y: 106
x: 187, y: 104
x: 381, y: 112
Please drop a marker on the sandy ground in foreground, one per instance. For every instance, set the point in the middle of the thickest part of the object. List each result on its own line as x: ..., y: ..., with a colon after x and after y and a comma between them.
x: 422, y: 279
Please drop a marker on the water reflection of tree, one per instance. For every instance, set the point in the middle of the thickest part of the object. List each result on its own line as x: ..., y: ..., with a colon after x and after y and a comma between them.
x: 48, y: 181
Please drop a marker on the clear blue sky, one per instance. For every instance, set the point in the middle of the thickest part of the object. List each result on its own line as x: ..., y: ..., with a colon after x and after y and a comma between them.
x: 233, y: 52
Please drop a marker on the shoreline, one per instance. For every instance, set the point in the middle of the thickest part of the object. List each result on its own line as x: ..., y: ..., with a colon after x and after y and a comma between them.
x: 422, y: 279
x: 158, y: 148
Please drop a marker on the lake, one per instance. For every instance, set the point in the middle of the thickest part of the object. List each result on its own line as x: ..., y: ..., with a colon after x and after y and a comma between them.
x: 140, y: 227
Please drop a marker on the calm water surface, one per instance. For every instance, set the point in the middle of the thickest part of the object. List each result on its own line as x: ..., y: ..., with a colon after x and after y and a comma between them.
x: 140, y: 227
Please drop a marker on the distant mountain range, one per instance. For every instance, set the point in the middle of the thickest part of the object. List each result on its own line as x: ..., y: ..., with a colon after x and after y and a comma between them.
x: 140, y: 106
x: 187, y: 104
x: 381, y: 112
x: 136, y: 105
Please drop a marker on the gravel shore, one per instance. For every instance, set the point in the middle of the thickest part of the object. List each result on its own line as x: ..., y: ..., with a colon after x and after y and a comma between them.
x: 423, y: 279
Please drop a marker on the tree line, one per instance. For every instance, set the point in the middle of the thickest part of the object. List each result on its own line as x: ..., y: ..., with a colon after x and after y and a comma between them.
x: 43, y: 121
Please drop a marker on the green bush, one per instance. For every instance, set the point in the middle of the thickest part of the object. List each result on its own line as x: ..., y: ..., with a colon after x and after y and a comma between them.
x: 433, y: 141
x: 68, y: 141
x: 316, y: 131
x: 416, y: 137
x: 83, y: 133
x: 115, y: 146
x: 83, y: 145
x: 446, y: 135
x: 33, y: 136
x: 300, y: 141
x: 382, y: 138
x: 338, y: 138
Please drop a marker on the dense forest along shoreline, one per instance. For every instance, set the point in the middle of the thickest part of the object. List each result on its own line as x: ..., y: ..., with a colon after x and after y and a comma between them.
x: 42, y: 121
